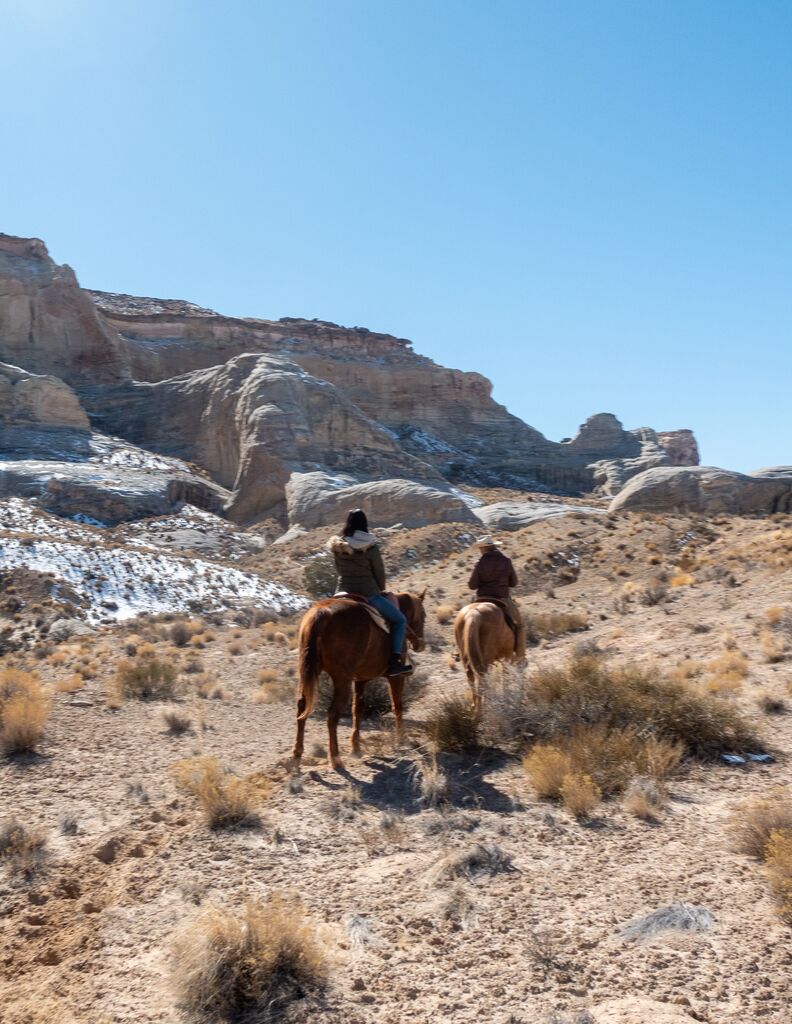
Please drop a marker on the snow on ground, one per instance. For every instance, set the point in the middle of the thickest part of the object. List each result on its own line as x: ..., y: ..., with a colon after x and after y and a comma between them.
x: 18, y: 515
x: 119, y: 583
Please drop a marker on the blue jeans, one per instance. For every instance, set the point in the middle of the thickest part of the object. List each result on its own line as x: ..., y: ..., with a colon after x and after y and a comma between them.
x: 398, y: 622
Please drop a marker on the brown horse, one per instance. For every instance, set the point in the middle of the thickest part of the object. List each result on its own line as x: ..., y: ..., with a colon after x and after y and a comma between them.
x: 483, y: 637
x: 338, y: 636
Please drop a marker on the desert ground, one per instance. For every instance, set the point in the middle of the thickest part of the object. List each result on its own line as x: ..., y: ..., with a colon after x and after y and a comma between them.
x: 435, y: 884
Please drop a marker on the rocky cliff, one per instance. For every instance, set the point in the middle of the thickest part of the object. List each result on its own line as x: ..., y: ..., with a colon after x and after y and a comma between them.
x: 253, y: 402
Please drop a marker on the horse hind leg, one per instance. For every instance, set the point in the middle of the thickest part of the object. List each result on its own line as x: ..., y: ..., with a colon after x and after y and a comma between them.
x: 358, y: 710
x: 299, y: 740
x: 396, y: 688
x: 338, y: 705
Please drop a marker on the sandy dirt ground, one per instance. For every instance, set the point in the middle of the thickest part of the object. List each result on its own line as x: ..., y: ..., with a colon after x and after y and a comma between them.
x: 88, y: 937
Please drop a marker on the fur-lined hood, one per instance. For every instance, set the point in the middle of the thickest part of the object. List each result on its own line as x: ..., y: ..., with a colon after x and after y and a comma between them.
x: 359, y: 541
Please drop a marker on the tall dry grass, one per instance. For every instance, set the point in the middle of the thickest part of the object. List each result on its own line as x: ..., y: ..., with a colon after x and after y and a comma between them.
x: 226, y: 800
x: 251, y: 966
x: 24, y: 711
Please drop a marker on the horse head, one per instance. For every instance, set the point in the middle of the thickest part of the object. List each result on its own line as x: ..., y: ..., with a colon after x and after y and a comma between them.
x: 412, y: 605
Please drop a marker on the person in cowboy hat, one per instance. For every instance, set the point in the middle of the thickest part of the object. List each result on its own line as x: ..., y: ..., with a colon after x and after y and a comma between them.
x: 493, y: 577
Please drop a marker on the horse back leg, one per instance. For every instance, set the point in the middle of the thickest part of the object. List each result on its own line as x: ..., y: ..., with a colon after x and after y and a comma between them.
x: 338, y: 705
x: 396, y: 688
x: 358, y: 708
x: 299, y: 740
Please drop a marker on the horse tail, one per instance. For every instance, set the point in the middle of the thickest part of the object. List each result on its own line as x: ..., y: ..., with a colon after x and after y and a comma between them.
x: 472, y: 646
x: 310, y: 665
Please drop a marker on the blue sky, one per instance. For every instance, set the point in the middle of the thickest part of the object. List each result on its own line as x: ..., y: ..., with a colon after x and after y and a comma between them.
x: 589, y: 202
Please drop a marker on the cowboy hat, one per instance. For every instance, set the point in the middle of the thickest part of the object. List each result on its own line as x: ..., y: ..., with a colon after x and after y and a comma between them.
x: 485, y: 542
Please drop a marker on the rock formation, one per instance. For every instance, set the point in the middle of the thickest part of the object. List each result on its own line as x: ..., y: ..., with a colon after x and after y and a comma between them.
x: 704, y: 489
x: 314, y: 499
x: 255, y: 401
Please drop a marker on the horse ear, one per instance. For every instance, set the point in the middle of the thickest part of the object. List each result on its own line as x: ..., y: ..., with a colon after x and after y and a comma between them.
x: 422, y: 595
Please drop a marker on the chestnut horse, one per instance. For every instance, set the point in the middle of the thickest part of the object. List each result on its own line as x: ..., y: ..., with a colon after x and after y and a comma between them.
x: 483, y: 637
x: 338, y: 636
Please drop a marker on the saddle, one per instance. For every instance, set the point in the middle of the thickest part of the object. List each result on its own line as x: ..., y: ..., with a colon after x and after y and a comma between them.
x: 361, y: 599
x: 504, y: 610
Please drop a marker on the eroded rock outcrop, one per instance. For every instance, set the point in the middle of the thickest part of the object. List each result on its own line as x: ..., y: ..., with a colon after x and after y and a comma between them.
x: 704, y: 489
x: 314, y: 499
x: 254, y: 401
x: 254, y: 421
x: 48, y: 324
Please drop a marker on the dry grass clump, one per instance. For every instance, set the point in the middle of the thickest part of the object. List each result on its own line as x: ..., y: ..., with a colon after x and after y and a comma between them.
x: 444, y: 613
x: 547, y: 626
x: 430, y: 782
x: 481, y: 859
x: 580, y: 794
x: 754, y: 821
x: 559, y: 700
x: 249, y: 966
x: 683, y: 579
x: 644, y: 799
x: 778, y: 860
x: 24, y: 711
x: 71, y: 685
x: 274, y: 688
x: 547, y: 767
x: 22, y: 849
x: 451, y: 725
x: 177, y: 722
x: 226, y: 800
x: 147, y: 678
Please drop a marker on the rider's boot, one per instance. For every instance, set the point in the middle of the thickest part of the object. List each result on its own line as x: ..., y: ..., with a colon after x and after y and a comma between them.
x: 397, y: 667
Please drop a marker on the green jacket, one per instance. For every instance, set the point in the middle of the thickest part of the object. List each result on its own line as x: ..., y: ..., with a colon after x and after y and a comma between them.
x: 358, y: 563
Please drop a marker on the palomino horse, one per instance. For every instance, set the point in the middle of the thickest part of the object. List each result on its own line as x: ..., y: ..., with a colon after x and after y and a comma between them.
x: 483, y: 637
x: 338, y: 636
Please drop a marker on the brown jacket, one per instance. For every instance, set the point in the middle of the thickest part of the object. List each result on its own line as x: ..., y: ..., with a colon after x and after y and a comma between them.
x: 358, y: 563
x: 493, y: 575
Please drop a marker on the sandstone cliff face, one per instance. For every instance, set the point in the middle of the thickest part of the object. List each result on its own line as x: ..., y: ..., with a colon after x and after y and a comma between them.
x: 28, y: 399
x: 254, y: 421
x: 255, y: 401
x: 48, y: 324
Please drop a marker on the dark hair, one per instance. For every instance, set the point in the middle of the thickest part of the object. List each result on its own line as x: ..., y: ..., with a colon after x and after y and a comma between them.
x: 356, y: 520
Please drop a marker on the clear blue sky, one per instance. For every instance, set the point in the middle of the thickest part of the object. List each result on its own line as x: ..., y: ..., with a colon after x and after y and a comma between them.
x: 590, y: 202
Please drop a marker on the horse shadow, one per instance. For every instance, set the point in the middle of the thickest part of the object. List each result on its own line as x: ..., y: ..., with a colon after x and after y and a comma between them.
x: 395, y: 783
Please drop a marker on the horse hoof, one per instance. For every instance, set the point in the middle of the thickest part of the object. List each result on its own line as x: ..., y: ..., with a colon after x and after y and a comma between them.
x: 336, y: 764
x: 355, y: 752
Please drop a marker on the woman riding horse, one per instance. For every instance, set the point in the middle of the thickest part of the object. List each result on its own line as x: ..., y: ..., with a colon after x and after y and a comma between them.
x: 360, y: 569
x: 339, y: 636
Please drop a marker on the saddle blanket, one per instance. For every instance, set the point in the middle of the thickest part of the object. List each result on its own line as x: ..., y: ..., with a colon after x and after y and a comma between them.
x: 376, y: 618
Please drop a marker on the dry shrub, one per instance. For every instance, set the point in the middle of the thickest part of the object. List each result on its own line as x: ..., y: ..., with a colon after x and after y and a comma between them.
x: 444, y: 613
x: 147, y: 678
x: 275, y: 689
x: 430, y: 782
x: 250, y: 966
x: 235, y: 649
x: 226, y: 800
x: 644, y: 799
x: 549, y: 625
x: 688, y: 669
x: 558, y: 700
x: 683, y: 579
x: 180, y: 633
x: 23, y: 849
x: 451, y: 725
x: 779, y: 869
x: 24, y: 710
x: 654, y: 593
x: 481, y: 859
x: 177, y: 722
x: 754, y: 821
x: 731, y: 663
x: 774, y: 646
x: 580, y: 794
x: 547, y: 767
x: 70, y: 685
